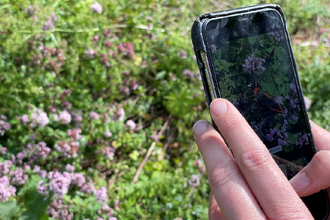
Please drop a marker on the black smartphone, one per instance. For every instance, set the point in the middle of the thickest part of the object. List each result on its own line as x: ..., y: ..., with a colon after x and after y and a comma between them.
x: 245, y: 56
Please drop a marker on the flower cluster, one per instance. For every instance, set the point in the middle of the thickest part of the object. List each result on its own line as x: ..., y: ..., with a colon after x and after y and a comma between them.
x: 18, y: 177
x: 101, y: 194
x: 64, y: 117
x: 128, y: 86
x: 38, y: 117
x: 39, y: 150
x: 278, y: 35
x: 49, y: 25
x: 254, y: 65
x: 94, y: 115
x: 31, y: 10
x: 303, y: 140
x: 59, y: 183
x: 194, y: 180
x: 281, y: 135
x: 69, y: 149
x: 6, y: 190
x: 96, y: 8
x: 126, y: 49
x: 4, y: 126
x: 57, y: 210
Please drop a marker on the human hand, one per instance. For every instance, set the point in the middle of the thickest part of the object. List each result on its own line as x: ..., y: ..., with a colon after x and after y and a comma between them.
x: 241, y: 185
x: 315, y: 176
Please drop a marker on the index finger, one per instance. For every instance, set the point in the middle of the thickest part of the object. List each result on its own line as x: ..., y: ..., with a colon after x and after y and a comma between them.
x: 321, y: 137
x: 266, y: 180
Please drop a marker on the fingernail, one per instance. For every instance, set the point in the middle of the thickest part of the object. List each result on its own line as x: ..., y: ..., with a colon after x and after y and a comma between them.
x: 200, y: 127
x: 300, y: 182
x: 219, y: 107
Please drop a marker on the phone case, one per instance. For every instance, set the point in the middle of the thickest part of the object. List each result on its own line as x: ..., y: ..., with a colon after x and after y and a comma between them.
x: 199, y: 46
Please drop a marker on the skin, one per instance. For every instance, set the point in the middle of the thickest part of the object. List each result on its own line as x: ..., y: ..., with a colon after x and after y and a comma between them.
x: 241, y: 185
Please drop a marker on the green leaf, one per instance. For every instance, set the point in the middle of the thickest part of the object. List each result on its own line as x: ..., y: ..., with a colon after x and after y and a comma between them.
x: 8, y: 209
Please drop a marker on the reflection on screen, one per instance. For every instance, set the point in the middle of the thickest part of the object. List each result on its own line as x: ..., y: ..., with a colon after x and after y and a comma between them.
x: 256, y: 75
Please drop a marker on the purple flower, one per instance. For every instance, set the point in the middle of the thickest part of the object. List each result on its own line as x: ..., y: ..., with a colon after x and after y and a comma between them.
x: 155, y: 137
x: 76, y: 117
x: 43, y: 173
x: 254, y: 65
x: 109, y: 152
x: 88, y: 188
x: 213, y: 48
x: 6, y: 190
x: 131, y: 124
x: 94, y: 115
x: 96, y: 8
x: 38, y: 117
x: 293, y: 87
x: 182, y: 54
x: 18, y: 177
x: 59, y: 183
x: 68, y: 149
x: 41, y: 150
x: 4, y: 126
x: 188, y: 73
x: 303, y: 140
x: 105, y: 209
x: 70, y: 168
x: 36, y: 169
x: 126, y: 49
x: 194, y: 180
x: 281, y: 142
x: 119, y: 115
x: 57, y: 210
x: 42, y: 188
x: 25, y: 119
x: 4, y: 167
x: 74, y: 133
x: 67, y: 105
x: 78, y: 179
x: 3, y: 150
x: 90, y: 53
x: 101, y: 194
x: 278, y: 35
x: 107, y: 133
x: 64, y: 117
x: 32, y: 9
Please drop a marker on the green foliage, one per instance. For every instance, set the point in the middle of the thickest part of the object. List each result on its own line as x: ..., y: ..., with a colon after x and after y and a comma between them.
x: 130, y: 63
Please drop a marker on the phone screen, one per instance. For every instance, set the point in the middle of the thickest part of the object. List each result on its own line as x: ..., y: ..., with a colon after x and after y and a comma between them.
x: 252, y: 62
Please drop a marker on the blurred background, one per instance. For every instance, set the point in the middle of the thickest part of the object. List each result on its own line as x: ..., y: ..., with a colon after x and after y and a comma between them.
x: 98, y: 100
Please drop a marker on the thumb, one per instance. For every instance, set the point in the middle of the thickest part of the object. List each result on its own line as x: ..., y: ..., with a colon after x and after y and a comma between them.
x: 314, y: 177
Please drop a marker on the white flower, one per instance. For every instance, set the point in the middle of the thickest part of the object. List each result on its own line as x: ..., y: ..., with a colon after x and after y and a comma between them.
x: 96, y: 7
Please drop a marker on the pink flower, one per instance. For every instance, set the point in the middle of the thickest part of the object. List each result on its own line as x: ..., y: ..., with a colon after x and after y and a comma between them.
x: 65, y: 117
x: 25, y: 119
x: 96, y: 7
x: 74, y: 133
x: 182, y: 54
x: 90, y: 54
x: 188, y: 73
x: 78, y: 179
x: 18, y: 177
x: 126, y: 49
x: 59, y: 183
x: 6, y: 190
x: 3, y: 150
x: 94, y: 115
x: 88, y: 188
x: 38, y: 117
x: 194, y: 180
x: 36, y: 169
x: 131, y: 124
x: 69, y: 168
x: 4, y: 126
x: 42, y: 188
x: 101, y: 194
x: 107, y: 134
x: 109, y: 152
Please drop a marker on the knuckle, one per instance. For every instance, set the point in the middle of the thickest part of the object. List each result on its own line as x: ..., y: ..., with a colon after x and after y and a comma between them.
x: 255, y: 158
x: 220, y: 177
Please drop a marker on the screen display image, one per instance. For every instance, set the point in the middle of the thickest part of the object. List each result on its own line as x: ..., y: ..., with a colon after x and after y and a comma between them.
x: 255, y: 73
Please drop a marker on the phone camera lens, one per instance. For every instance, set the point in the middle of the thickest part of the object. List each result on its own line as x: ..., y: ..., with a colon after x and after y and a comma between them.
x: 256, y: 28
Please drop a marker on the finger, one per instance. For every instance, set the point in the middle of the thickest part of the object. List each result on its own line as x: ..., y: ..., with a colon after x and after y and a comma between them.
x: 227, y: 183
x: 314, y: 177
x: 321, y: 137
x: 214, y: 210
x: 266, y: 180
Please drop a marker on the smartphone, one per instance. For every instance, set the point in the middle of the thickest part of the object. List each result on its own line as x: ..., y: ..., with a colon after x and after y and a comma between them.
x: 245, y: 56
